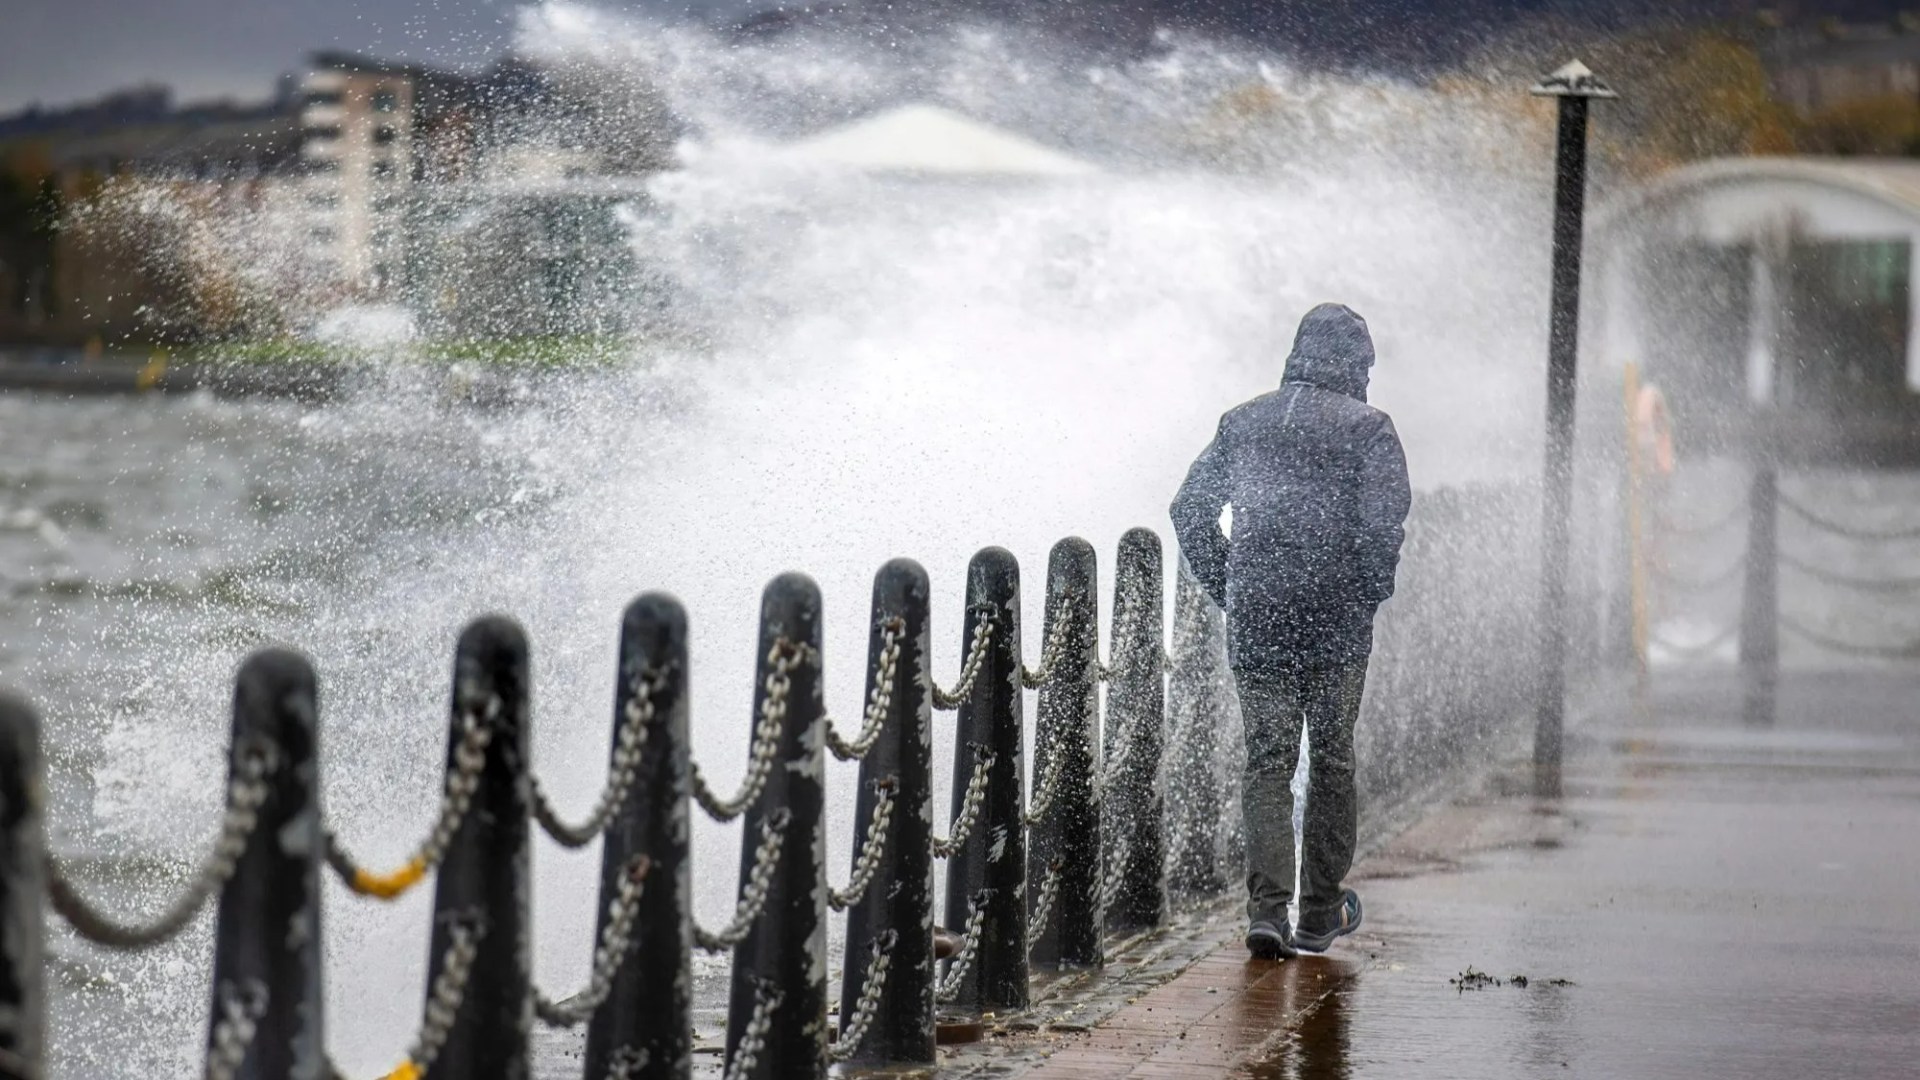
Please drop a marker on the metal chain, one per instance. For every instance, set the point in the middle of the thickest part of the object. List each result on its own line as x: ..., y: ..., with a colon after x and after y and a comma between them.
x: 759, y: 883
x: 462, y: 783
x: 754, y: 1036
x: 784, y: 657
x: 1704, y: 583
x: 1907, y: 651
x: 1701, y: 648
x: 880, y: 702
x: 615, y: 939
x: 233, y: 1033
x: 246, y: 793
x: 950, y: 983
x: 443, y: 998
x: 1049, y: 888
x: 1712, y: 525
x: 1851, y: 532
x: 868, y: 1007
x: 871, y: 849
x: 1828, y: 577
x: 970, y: 806
x: 627, y: 1062
x: 970, y: 668
x: 1044, y: 792
x: 628, y: 744
x: 1055, y: 648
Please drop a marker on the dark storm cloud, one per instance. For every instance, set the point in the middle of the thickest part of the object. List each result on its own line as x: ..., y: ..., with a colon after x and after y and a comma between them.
x: 57, y: 51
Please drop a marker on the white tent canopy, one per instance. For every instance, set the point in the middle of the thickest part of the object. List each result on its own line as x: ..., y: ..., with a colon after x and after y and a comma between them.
x: 927, y: 140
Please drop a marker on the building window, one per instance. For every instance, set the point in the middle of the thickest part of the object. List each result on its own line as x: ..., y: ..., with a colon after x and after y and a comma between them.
x: 322, y: 131
x: 384, y: 101
x: 385, y: 134
x: 323, y: 200
x: 324, y: 97
x: 321, y: 234
x: 383, y: 168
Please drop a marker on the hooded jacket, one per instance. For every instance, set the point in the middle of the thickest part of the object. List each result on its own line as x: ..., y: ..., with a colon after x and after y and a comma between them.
x: 1318, y: 484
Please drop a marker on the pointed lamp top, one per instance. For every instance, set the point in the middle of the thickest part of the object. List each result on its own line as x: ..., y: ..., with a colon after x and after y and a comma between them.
x: 1573, y: 80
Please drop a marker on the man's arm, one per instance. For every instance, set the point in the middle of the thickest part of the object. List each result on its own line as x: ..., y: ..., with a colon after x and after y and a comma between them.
x: 1196, y: 517
x: 1385, y: 497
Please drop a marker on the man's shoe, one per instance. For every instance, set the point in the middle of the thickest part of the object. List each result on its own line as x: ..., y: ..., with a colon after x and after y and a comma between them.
x: 1270, y: 941
x: 1349, y: 921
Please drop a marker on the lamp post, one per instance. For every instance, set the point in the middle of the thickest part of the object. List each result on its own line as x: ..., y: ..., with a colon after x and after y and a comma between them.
x: 1574, y: 85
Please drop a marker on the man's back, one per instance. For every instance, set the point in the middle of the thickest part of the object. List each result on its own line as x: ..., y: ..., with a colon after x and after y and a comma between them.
x: 1318, y: 485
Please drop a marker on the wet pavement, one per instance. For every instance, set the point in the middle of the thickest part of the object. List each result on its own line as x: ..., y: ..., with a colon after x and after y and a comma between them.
x: 1708, y: 899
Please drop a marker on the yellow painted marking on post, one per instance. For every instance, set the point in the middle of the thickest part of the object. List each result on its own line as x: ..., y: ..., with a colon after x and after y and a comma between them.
x: 389, y: 886
x: 407, y: 1070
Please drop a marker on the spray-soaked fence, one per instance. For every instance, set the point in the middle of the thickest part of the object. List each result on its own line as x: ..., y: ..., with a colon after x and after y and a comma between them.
x: 1042, y: 864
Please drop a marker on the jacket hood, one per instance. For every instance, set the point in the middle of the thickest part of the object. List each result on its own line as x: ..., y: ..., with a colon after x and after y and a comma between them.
x: 1333, y: 351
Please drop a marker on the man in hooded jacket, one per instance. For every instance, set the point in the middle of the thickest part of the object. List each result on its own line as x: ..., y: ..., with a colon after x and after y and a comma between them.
x: 1318, y: 487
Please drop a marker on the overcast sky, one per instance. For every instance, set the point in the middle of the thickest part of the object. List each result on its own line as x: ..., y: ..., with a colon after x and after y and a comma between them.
x: 59, y: 51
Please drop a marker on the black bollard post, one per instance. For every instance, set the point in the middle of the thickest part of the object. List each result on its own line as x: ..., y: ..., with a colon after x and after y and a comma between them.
x: 897, y: 904
x: 646, y: 1024
x: 1760, y: 597
x: 1066, y: 836
x: 1196, y: 704
x: 267, y: 943
x: 1132, y: 807
x: 990, y: 868
x: 780, y: 968
x: 23, y: 888
x: 480, y: 900
x: 1574, y: 86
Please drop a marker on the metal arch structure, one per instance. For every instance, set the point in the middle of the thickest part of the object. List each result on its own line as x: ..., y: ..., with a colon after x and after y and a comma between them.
x: 1760, y: 217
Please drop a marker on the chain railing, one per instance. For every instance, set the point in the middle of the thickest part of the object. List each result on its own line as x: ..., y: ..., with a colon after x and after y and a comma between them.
x: 1909, y: 650
x: 753, y: 896
x: 971, y: 803
x: 1843, y: 529
x: 970, y: 667
x: 784, y: 657
x: 245, y: 793
x: 615, y: 939
x: 956, y: 975
x: 462, y: 780
x: 628, y: 746
x: 234, y: 1031
x: 1059, y: 624
x: 873, y: 987
x: 879, y: 700
x: 872, y: 847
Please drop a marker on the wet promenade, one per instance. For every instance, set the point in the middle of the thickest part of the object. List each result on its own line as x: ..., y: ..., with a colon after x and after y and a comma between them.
x: 1708, y: 899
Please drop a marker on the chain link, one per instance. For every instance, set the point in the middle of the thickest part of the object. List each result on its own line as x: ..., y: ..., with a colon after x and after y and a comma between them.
x: 1696, y: 649
x: 879, y: 703
x: 970, y: 805
x: 754, y: 1036
x: 443, y: 1001
x: 1700, y: 583
x: 1907, y: 651
x: 1044, y: 792
x: 1828, y: 577
x: 871, y: 849
x: 233, y: 1033
x: 1701, y: 528
x: 627, y: 1062
x: 615, y: 940
x: 759, y: 884
x: 969, y: 669
x: 784, y: 657
x: 1058, y: 623
x: 951, y: 982
x: 1851, y: 532
x: 246, y: 793
x: 868, y: 1007
x: 628, y: 744
x: 462, y: 783
x: 1115, y: 876
x: 1049, y: 888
